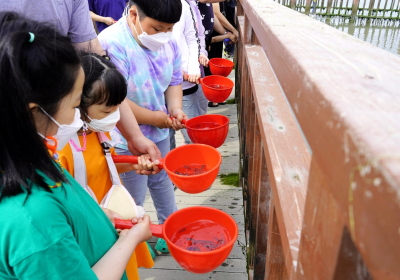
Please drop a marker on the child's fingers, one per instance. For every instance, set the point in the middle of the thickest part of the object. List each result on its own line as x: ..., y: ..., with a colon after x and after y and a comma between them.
x: 149, y: 164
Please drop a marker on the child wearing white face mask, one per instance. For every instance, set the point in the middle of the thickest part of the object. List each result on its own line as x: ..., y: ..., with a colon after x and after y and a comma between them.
x: 84, y: 158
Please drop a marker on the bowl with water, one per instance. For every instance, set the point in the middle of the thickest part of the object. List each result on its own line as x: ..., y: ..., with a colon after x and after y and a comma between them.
x: 208, y: 129
x: 199, y: 238
x: 216, y: 88
x: 193, y: 167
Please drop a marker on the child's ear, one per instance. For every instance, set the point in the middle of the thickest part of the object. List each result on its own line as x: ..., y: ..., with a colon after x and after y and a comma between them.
x: 133, y: 14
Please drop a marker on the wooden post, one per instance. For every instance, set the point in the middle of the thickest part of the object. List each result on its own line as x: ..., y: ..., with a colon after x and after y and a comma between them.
x: 308, y: 5
x: 293, y: 4
x: 354, y: 10
x: 328, y: 8
x: 371, y: 7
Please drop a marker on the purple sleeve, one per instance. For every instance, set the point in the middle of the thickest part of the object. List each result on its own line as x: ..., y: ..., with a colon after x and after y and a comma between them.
x: 177, y: 78
x: 81, y: 28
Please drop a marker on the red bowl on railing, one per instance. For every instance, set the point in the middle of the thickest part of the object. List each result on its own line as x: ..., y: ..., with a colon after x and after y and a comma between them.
x: 220, y: 66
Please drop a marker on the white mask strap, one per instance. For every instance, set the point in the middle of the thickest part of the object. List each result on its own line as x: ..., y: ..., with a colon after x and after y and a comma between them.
x: 50, y: 117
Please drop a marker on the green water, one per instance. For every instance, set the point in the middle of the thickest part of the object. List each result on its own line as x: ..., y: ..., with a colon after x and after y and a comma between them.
x: 384, y: 34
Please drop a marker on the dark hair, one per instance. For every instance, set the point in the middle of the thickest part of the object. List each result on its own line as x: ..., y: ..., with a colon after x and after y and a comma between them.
x: 103, y: 82
x: 168, y: 11
x: 43, y: 71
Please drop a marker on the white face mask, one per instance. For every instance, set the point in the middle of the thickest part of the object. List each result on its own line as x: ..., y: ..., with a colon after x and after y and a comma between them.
x: 66, y: 131
x: 153, y: 42
x: 106, y: 124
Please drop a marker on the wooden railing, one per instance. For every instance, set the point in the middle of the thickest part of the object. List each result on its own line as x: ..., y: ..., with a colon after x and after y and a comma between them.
x: 319, y: 117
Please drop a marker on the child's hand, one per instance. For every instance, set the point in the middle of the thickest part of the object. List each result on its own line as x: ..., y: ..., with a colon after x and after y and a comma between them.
x: 185, y: 76
x: 232, y: 37
x: 140, y: 232
x: 203, y: 59
x: 111, y: 214
x: 108, y: 20
x: 145, y: 166
x: 195, y: 79
x: 178, y: 115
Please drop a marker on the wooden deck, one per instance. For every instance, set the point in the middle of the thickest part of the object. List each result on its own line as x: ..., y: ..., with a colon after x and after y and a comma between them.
x: 226, y: 198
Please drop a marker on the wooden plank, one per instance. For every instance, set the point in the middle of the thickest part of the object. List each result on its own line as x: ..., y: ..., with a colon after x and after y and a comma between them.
x: 288, y: 159
x: 322, y: 230
x: 348, y: 107
x: 229, y: 209
x: 262, y: 220
x: 254, y: 185
x: 275, y: 267
x: 229, y: 265
x: 162, y: 274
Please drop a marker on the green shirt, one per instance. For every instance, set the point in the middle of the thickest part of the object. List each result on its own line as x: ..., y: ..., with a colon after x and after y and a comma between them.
x: 53, y: 235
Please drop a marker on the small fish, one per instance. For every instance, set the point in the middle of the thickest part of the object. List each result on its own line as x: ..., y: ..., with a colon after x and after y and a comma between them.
x: 193, y: 248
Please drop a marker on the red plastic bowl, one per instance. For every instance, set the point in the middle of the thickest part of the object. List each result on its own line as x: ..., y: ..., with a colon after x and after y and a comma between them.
x: 189, y: 154
x: 195, y: 262
x: 216, y: 88
x: 220, y: 66
x: 213, y: 136
x: 199, y: 262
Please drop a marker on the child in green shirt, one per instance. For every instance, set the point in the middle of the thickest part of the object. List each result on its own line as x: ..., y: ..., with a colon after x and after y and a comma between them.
x: 50, y: 227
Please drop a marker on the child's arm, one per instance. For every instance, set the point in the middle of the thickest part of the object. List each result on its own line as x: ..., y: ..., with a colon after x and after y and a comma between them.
x: 225, y: 23
x: 192, y: 43
x: 145, y: 116
x: 106, y: 20
x: 112, y: 265
x: 144, y: 166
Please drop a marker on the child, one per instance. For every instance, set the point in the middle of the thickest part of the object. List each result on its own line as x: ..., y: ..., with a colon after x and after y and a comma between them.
x: 187, y: 36
x: 141, y: 47
x: 50, y: 227
x: 104, y: 89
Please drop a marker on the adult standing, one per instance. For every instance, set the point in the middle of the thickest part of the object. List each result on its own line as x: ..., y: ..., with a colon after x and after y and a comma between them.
x: 106, y: 12
x: 71, y: 18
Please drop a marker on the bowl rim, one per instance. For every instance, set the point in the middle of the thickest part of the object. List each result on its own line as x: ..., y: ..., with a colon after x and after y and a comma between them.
x: 223, y: 59
x: 209, y: 129
x: 228, y: 245
x: 212, y: 88
x: 194, y: 176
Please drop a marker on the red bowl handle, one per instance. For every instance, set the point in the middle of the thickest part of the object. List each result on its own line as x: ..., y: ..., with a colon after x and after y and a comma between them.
x: 125, y: 159
x: 156, y: 230
x: 133, y: 160
x: 184, y: 121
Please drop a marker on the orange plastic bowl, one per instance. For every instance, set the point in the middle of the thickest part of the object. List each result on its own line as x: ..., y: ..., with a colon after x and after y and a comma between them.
x: 189, y: 154
x: 220, y: 66
x: 199, y: 262
x: 213, y: 136
x: 216, y: 88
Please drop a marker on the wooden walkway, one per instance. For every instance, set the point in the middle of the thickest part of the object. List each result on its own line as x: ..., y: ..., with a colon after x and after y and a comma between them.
x: 226, y: 198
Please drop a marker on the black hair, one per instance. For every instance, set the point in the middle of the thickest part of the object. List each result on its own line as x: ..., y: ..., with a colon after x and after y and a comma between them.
x: 43, y: 70
x: 103, y: 82
x: 168, y: 11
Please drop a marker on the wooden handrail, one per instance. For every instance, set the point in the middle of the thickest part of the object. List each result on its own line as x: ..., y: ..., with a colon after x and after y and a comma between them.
x: 345, y: 96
